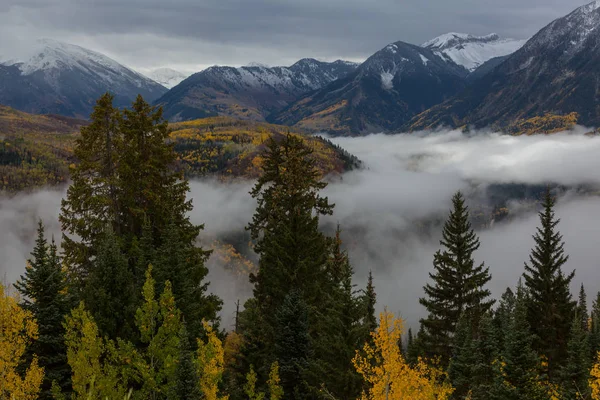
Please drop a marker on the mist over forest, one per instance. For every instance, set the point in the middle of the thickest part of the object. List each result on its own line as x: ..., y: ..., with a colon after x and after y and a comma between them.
x: 391, y: 211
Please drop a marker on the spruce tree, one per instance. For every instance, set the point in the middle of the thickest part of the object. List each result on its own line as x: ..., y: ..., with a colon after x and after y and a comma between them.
x: 576, y: 372
x: 183, y: 264
x: 460, y: 370
x: 594, y: 339
x: 582, y: 309
x: 92, y: 198
x: 518, y: 378
x: 503, y: 315
x: 293, y: 348
x: 340, y: 331
x: 293, y: 252
x: 44, y: 290
x: 370, y: 300
x: 186, y: 376
x: 458, y: 285
x: 109, y: 293
x: 483, y: 371
x: 550, y: 305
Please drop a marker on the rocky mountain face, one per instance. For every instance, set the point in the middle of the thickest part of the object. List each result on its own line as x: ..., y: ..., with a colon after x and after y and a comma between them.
x: 383, y: 93
x: 60, y: 78
x: 250, y: 92
x: 554, y: 74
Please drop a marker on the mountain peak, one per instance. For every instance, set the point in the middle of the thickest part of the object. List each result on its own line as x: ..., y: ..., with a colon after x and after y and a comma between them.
x: 471, y: 51
x: 452, y: 39
x: 167, y: 77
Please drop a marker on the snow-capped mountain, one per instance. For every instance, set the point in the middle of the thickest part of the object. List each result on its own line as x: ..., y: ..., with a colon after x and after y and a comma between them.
x: 66, y: 79
x: 555, y: 73
x: 249, y: 92
x: 167, y: 77
x: 384, y: 92
x: 472, y: 51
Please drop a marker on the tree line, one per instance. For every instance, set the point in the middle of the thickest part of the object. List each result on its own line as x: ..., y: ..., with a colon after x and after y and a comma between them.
x: 124, y: 310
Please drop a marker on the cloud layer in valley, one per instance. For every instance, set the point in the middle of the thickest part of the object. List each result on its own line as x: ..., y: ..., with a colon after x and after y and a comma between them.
x: 190, y: 35
x: 390, y: 211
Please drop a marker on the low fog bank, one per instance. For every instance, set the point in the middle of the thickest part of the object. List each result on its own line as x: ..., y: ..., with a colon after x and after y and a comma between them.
x: 391, y: 211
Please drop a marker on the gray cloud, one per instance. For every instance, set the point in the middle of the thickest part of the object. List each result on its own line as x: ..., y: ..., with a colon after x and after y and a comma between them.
x: 190, y: 35
x: 390, y: 211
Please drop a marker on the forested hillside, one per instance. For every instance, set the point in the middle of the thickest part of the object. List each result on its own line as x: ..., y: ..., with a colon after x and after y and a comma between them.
x: 124, y: 309
x: 36, y: 150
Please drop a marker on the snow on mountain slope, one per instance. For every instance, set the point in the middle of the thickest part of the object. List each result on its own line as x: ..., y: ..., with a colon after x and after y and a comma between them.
x: 472, y: 51
x: 167, y: 77
x: 550, y: 82
x: 49, y: 54
x: 61, y: 78
x: 249, y: 92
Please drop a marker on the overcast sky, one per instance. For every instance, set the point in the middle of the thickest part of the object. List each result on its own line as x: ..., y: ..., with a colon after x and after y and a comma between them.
x: 193, y: 34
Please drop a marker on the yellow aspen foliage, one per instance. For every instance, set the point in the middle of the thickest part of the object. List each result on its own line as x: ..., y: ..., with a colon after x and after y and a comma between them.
x: 96, y: 364
x: 594, y: 380
x: 387, y: 373
x: 17, y: 329
x: 275, y: 389
x: 250, y: 386
x: 210, y: 364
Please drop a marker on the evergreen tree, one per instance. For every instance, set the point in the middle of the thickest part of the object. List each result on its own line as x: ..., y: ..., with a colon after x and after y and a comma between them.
x: 293, y: 252
x: 186, y: 376
x: 576, y: 372
x: 370, y: 299
x: 484, y: 373
x: 92, y: 198
x: 550, y: 306
x: 594, y: 339
x: 45, y: 296
x: 518, y: 378
x: 458, y: 285
x: 293, y: 347
x: 503, y: 315
x: 109, y: 293
x: 126, y: 183
x: 340, y: 331
x: 582, y: 310
x: 151, y: 191
x: 183, y: 264
x: 460, y: 370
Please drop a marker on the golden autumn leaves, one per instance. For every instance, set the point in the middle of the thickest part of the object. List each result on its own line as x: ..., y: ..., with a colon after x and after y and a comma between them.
x: 389, y: 376
x: 17, y: 329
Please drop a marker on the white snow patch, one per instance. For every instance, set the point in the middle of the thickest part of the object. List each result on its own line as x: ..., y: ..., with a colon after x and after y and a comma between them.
x: 387, y: 80
x: 167, y: 77
x: 471, y: 51
x: 424, y: 59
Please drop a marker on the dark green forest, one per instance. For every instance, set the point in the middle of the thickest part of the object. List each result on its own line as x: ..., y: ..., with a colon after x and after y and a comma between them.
x: 124, y: 310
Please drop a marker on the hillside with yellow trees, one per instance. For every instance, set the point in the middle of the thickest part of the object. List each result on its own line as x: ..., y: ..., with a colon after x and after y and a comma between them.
x: 37, y: 150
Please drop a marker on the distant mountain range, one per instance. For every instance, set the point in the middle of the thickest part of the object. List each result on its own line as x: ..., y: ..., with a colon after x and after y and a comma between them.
x: 455, y: 80
x: 552, y: 77
x: 60, y: 78
x: 251, y: 92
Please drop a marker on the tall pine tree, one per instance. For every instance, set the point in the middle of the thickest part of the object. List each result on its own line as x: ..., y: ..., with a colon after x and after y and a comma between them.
x: 518, y: 377
x: 45, y: 295
x: 293, y: 252
x: 550, y: 305
x: 126, y: 183
x: 293, y: 347
x: 458, y: 285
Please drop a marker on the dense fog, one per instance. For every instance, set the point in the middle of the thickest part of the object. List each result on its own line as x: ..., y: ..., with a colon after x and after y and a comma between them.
x: 390, y: 211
